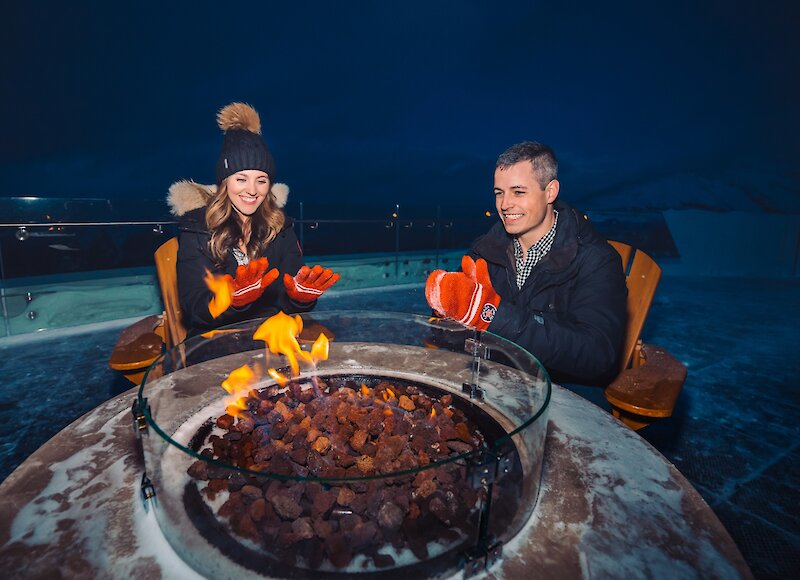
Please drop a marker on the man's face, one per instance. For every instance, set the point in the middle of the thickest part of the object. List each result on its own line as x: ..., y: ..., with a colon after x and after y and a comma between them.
x: 523, y: 205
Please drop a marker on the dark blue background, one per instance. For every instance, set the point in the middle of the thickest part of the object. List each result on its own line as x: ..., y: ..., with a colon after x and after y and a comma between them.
x: 367, y: 104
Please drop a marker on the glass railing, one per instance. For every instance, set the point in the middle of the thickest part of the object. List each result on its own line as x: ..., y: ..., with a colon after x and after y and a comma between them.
x: 68, y: 262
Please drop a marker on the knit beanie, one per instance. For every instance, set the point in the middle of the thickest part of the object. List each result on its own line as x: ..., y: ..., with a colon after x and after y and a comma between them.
x: 242, y: 146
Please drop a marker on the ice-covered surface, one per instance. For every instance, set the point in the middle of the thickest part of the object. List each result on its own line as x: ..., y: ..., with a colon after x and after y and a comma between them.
x: 629, y: 498
x: 74, y: 506
x: 62, y: 306
x: 87, y: 508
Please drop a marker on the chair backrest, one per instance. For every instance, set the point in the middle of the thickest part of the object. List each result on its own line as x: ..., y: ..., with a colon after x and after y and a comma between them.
x: 642, y: 276
x: 625, y: 252
x: 166, y: 257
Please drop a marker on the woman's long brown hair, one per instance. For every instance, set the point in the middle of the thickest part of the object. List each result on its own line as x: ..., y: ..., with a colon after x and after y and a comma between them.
x: 227, y: 231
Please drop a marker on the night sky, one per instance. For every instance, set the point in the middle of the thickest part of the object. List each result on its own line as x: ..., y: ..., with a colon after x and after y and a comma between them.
x: 367, y: 104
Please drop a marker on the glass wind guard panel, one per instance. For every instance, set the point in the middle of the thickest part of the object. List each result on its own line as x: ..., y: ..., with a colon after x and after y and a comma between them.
x: 384, y: 457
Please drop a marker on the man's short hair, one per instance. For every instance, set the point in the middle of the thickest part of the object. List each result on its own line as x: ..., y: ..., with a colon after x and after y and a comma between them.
x: 542, y: 158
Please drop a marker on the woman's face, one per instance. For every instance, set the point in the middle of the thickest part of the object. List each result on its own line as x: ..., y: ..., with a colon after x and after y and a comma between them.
x: 247, y: 190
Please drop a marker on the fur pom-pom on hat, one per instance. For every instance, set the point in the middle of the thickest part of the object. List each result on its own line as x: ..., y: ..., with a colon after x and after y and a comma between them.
x: 239, y: 116
x: 243, y: 147
x: 185, y: 195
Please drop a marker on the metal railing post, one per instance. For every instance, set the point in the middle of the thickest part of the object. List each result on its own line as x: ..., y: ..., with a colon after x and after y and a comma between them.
x: 438, y: 233
x: 396, y: 242
x: 6, y: 322
x: 302, y: 229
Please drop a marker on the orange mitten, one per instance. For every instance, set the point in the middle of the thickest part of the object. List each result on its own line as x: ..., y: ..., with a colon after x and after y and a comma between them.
x: 251, y: 281
x: 467, y: 296
x: 309, y: 283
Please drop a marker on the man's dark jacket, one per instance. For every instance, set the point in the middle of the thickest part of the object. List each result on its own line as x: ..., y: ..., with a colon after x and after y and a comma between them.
x: 194, y: 259
x: 571, y: 312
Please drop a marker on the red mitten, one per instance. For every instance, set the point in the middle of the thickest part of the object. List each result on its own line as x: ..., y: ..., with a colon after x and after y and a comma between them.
x: 251, y: 281
x: 309, y: 283
x: 467, y: 297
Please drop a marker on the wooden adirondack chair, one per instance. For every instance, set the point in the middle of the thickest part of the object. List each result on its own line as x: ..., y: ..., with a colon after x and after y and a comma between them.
x: 166, y: 258
x: 142, y: 343
x: 650, y: 378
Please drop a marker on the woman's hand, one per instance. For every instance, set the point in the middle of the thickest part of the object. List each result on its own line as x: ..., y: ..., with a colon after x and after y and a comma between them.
x: 251, y: 281
x: 309, y: 283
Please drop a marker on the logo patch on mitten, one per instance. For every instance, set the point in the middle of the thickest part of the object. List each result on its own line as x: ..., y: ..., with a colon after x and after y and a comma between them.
x: 488, y: 312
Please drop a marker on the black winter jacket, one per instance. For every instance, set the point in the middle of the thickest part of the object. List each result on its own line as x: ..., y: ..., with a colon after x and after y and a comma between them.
x: 194, y: 258
x: 571, y: 312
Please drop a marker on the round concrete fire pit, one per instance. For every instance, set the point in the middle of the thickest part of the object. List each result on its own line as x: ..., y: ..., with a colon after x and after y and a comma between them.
x: 415, y: 448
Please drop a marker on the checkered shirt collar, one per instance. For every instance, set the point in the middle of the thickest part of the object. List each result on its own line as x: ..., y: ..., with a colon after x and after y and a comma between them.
x: 527, y: 261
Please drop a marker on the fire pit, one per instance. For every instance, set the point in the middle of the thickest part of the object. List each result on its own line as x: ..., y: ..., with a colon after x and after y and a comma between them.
x: 406, y: 446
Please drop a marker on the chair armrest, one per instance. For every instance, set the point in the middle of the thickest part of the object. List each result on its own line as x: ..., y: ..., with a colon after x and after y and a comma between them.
x: 652, y: 389
x: 311, y: 331
x: 138, y: 345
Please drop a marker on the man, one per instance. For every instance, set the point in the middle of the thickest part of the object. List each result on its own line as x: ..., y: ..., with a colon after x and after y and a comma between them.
x: 543, y: 278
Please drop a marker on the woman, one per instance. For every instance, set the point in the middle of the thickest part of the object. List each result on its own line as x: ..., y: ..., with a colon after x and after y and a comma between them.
x: 238, y: 230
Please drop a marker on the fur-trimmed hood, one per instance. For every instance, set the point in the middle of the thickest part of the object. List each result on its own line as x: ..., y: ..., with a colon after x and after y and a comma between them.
x: 185, y: 195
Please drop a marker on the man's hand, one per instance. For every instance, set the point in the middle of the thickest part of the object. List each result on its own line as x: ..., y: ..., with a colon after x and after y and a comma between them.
x: 309, y: 283
x: 250, y: 282
x: 467, y: 296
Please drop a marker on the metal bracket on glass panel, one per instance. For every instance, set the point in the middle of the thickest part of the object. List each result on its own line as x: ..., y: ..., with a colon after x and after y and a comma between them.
x: 504, y: 464
x: 493, y: 554
x: 139, y: 421
x: 478, y: 350
x: 481, y: 470
x: 485, y: 467
x: 475, y: 347
x: 481, y: 557
x: 148, y: 490
x: 473, y: 390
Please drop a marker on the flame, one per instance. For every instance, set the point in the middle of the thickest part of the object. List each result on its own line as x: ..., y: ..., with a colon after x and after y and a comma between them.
x: 239, y: 380
x: 221, y: 288
x: 282, y: 380
x: 280, y: 333
x: 433, y: 413
x: 320, y: 349
x: 217, y: 332
x: 364, y: 390
x: 238, y: 386
x: 388, y: 412
x: 236, y: 407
